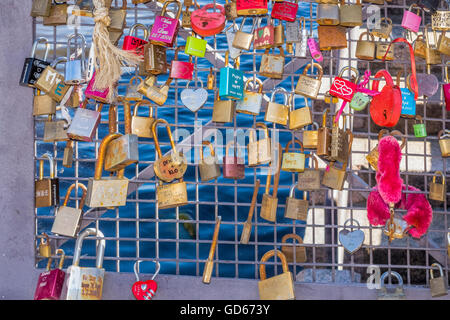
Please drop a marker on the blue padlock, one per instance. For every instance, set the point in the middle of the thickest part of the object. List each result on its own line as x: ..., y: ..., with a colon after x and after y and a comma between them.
x: 75, y: 68
x: 408, y: 102
x: 231, y: 81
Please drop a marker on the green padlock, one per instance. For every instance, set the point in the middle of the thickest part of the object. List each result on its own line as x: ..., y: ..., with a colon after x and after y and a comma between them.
x: 420, y: 131
x: 359, y: 101
x: 195, y: 46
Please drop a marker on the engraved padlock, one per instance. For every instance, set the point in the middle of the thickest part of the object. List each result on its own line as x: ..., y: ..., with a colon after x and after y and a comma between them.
x: 296, y: 209
x: 438, y: 190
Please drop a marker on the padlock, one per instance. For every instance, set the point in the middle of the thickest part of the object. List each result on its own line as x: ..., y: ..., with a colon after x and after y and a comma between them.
x: 311, y: 137
x: 300, y: 251
x: 181, y: 69
x: 420, y: 46
x: 386, y: 107
x: 284, y: 10
x: 327, y: 14
x: 408, y: 102
x: 444, y: 142
x: 420, y: 130
x: 279, y: 287
x: 293, y: 161
x: 440, y: 19
x: 233, y: 166
x: 195, y: 46
x: 208, y: 167
x: 438, y: 286
x: 43, y: 104
x: 210, y: 83
x: 296, y: 209
x: 46, y: 190
x: 208, y: 20
x: 301, y: 47
x: 251, y: 8
x: 173, y: 194
x: 68, y: 155
x: 298, y: 118
x: 269, y: 203
x: 324, y: 139
x: 67, y: 219
x: 309, y: 179
x: 307, y: 86
x: 339, y: 142
x: 365, y: 49
x: 230, y: 33
x: 172, y: 166
x: 263, y: 37
x: 123, y: 151
x: 411, y: 21
x: 350, y: 15
x: 164, y: 30
x: 155, y: 59
x: 276, y: 112
x: 186, y: 18
x: 251, y: 103
x: 259, y: 151
x: 132, y: 93
x: 334, y: 177
x: 133, y: 43
x: 438, y: 190
x: 106, y: 191
x: 157, y: 94
x: 58, y: 14
x: 45, y: 249
x: 432, y: 55
x: 230, y: 9
x: 142, y: 126
x: 55, y: 130
x: 145, y: 290
x: 223, y: 110
x: 360, y: 101
x: 194, y: 99
x: 75, y: 72
x: 52, y: 82
x: 50, y: 282
x: 383, y: 293
x: 96, y: 94
x: 352, y: 240
x: 342, y: 88
x: 272, y: 65
x: 427, y: 83
x: 231, y: 81
x: 294, y: 34
x: 328, y: 98
x: 373, y: 155
x: 314, y: 49
x: 385, y: 29
x: 243, y: 40
x: 85, y: 122
x: 443, y: 44
x: 33, y: 67
x: 332, y: 37
x: 278, y: 35
x: 118, y: 18
x: 86, y: 283
x: 41, y: 8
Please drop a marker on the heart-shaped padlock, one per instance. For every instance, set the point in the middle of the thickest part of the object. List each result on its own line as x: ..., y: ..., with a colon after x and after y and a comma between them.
x: 351, y: 241
x: 194, y: 99
x: 208, y: 23
x: 145, y: 290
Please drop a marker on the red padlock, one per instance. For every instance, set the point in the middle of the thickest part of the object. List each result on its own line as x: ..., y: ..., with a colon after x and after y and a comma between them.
x: 206, y: 23
x: 181, y: 69
x: 251, y: 7
x: 446, y: 88
x: 285, y: 10
x: 50, y: 282
x: 132, y: 43
x: 342, y: 88
x: 145, y: 290
x: 386, y: 107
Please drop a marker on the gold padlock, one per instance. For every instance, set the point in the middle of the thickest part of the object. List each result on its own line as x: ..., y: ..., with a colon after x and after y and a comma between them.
x: 324, y: 139
x: 43, y: 104
x: 272, y: 65
x: 300, y: 251
x: 339, y: 141
x: 269, y: 203
x: 155, y: 59
x: 142, y: 126
x: 440, y: 19
x: 276, y: 112
x: 382, y: 48
x: 438, y: 285
x: 438, y: 190
x: 230, y: 9
x: 385, y: 29
x: 278, y: 35
x: 293, y: 161
x: 333, y: 177
x: 432, y: 55
x: 58, y: 15
x: 309, y: 179
x: 243, y: 40
x: 365, y: 49
x: 307, y: 86
x: 68, y: 155
x: 55, y: 130
x: 186, y: 18
x: 328, y: 98
x: 372, y: 157
x: 45, y: 250
x: 223, y: 110
x: 296, y: 209
x: 259, y: 152
x: 444, y: 142
x: 311, y: 137
x: 298, y: 118
x: 211, y: 79
x: 350, y: 15
x: 157, y: 94
x: 420, y: 47
x: 209, y: 168
x: 118, y: 18
x: 443, y: 45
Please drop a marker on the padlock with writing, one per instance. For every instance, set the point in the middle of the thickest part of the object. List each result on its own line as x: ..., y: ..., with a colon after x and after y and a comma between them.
x: 272, y: 65
x: 309, y: 179
x: 411, y: 21
x: 293, y: 161
x: 385, y: 28
x: 443, y: 44
x: 284, y: 10
x: 33, y: 67
x: 58, y: 14
x: 340, y: 138
x: 186, y: 18
x: 432, y: 55
x: 133, y: 43
x: 276, y: 112
x: 231, y: 80
x: 420, y: 130
x: 251, y: 8
x: 75, y: 72
x: 165, y: 29
x: 50, y: 282
x: 55, y: 130
x: 296, y: 253
x: 397, y: 294
x: 46, y: 189
x: 408, y: 102
x: 230, y: 9
x: 296, y: 209
x: 279, y: 287
x: 195, y: 46
x: 302, y: 46
x: 444, y: 142
x: 155, y: 59
x: 234, y: 165
x: 314, y: 49
x: 311, y: 137
x: 327, y: 14
x: 438, y: 190
x: 251, y: 103
x: 52, y: 82
x: 440, y: 19
x: 446, y: 88
x: 243, y: 40
x: 419, y: 46
x: 259, y: 151
x: 84, y: 123
x: 382, y: 52
x: 334, y: 177
x: 208, y: 166
x: 142, y: 126
x: 263, y: 35
x: 298, y: 118
x: 308, y: 86
x: 438, y: 285
x: 278, y: 36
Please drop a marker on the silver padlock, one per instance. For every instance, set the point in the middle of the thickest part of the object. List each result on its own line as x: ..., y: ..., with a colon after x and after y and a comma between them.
x: 327, y: 14
x: 438, y: 286
x: 230, y: 32
x: 397, y: 294
x: 301, y: 47
x: 75, y: 68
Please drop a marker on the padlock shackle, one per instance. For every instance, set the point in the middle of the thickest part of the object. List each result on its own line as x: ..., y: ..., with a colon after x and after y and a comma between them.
x: 112, y: 118
x: 155, y: 136
x: 61, y: 259
x: 127, y: 115
x: 266, y: 256
x: 69, y: 190
x: 437, y: 265
x: 58, y: 61
x: 318, y: 66
x: 267, y: 51
x: 296, y: 141
x: 352, y: 225
x: 41, y: 166
x: 201, y: 82
x: 227, y: 149
x: 179, y: 5
x: 83, y: 49
x: 210, y: 146
x: 414, y: 5
x: 49, y: 264
x: 156, y: 270
x: 258, y: 84
x: 45, y: 239
x: 324, y: 118
x: 292, y: 192
x: 418, y: 118
x: 101, y: 155
x: 398, y: 133
x: 393, y: 273
x: 292, y: 236
x: 382, y: 133
x: 442, y: 176
x: 350, y: 69
x: 175, y: 58
x: 314, y: 160
x: 145, y: 103
x: 85, y: 103
x: 138, y: 26
x: 36, y: 43
x: 100, y: 247
x: 443, y: 132
x: 283, y: 91
x: 368, y: 34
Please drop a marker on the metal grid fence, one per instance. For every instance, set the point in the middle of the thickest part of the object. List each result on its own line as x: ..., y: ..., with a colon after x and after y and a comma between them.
x: 140, y: 231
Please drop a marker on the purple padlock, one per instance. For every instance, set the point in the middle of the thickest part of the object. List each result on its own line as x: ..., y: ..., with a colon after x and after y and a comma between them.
x: 411, y: 21
x: 314, y: 49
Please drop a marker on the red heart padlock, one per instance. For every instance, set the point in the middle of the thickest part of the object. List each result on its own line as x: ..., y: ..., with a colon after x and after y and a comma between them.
x: 144, y: 290
x: 386, y: 107
x: 207, y: 23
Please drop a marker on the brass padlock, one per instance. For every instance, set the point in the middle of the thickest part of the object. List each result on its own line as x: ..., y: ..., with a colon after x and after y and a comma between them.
x: 328, y: 98
x: 272, y: 65
x: 372, y: 157
x: 223, y: 110
x: 298, y: 249
x: 333, y: 177
x: 276, y: 112
x: 385, y: 29
x: 296, y: 209
x: 269, y: 203
x: 211, y: 80
x: 420, y: 47
x: 350, y: 15
x: 339, y: 141
x: 307, y: 86
x: 45, y: 250
x: 52, y: 82
x: 43, y: 104
x: 155, y: 59
x: 438, y: 286
x: 243, y: 40
x: 68, y: 155
x: 142, y: 126
x: 440, y: 19
x: 259, y: 152
x: 150, y: 89
x: 432, y: 55
x: 46, y: 189
x: 444, y: 142
x: 365, y: 49
x: 58, y: 14
x: 55, y: 130
x: 443, y: 45
x: 309, y: 179
x: 41, y: 8
x: 208, y: 167
x: 186, y: 18
x: 230, y: 9
x: 118, y: 18
x: 398, y: 294
x: 293, y: 161
x: 251, y: 103
x: 327, y: 14
x: 438, y: 190
x: 298, y: 118
x: 278, y: 35
x: 324, y: 139
x: 132, y: 93
x: 67, y: 219
x: 280, y: 287
x: 381, y: 49
x: 311, y: 137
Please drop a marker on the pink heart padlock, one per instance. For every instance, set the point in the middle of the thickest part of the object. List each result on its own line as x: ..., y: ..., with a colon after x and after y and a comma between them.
x: 144, y: 290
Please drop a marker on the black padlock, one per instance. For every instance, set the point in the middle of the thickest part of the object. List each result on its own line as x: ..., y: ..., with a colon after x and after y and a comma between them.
x: 33, y: 67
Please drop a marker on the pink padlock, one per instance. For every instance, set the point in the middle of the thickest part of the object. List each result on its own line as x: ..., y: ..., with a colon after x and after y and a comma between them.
x: 411, y: 21
x: 165, y: 29
x: 99, y: 96
x: 50, y: 282
x: 446, y: 88
x: 314, y: 49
